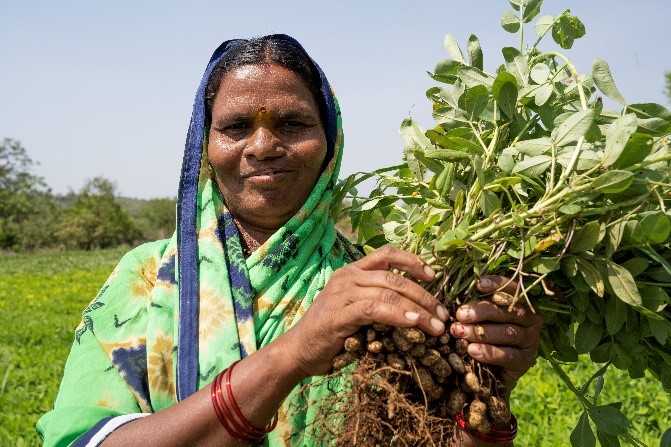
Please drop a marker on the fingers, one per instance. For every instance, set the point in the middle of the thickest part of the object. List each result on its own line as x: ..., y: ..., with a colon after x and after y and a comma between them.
x: 515, y: 362
x: 387, y: 258
x: 402, y: 314
x: 392, y: 287
x: 491, y: 283
x: 499, y: 336
x: 380, y: 295
x: 496, y: 334
x: 484, y: 310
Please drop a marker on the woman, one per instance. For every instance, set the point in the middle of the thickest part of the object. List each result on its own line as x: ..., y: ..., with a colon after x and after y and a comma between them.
x: 256, y: 272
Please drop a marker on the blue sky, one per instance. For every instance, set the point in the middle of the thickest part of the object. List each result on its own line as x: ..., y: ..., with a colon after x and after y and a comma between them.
x: 106, y: 88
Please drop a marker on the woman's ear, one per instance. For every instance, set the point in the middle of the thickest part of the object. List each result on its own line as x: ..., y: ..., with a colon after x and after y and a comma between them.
x: 206, y: 170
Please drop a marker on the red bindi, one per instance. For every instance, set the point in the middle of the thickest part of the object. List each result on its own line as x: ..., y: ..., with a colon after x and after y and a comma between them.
x: 262, y: 110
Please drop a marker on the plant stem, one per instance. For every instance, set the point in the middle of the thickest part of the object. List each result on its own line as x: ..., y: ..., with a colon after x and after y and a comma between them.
x: 564, y: 377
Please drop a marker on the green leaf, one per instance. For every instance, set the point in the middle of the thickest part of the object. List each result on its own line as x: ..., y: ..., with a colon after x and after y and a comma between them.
x: 620, y: 356
x: 615, y: 233
x: 453, y: 49
x: 533, y: 166
x: 666, y: 438
x: 569, y: 266
x: 414, y: 139
x: 604, y: 81
x: 472, y: 77
x: 444, y: 180
x: 542, y: 94
x: 540, y: 73
x: 650, y: 110
x: 543, y: 25
x: 570, y: 209
x: 586, y: 238
x: 601, y: 353
x: 655, y: 298
x: 566, y: 29
x: 609, y: 419
x: 636, y: 265
x: 615, y: 315
x: 474, y: 101
x: 660, y: 330
x: 489, y: 203
x: 411, y: 133
x: 607, y: 440
x: 504, y: 91
x: 591, y: 276
x: 617, y: 136
x: 655, y: 127
x: 623, y: 284
x: 655, y: 227
x: 531, y: 10
x: 573, y: 127
x: 537, y: 146
x: 635, y: 151
x: 613, y: 181
x: 446, y: 71
x: 510, y: 22
x: 586, y: 160
x: 582, y: 435
x: 447, y: 155
x: 544, y: 265
x: 516, y: 63
x: 587, y: 336
x: 474, y: 52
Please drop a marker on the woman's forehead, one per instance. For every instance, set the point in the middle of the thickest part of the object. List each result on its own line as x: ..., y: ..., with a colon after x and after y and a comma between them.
x: 263, y: 85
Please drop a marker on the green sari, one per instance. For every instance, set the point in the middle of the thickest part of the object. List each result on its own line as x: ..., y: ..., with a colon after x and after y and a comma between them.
x: 130, y: 350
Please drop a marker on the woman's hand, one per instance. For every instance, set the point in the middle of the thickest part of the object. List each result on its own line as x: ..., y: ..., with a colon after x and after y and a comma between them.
x: 498, y: 336
x: 361, y: 293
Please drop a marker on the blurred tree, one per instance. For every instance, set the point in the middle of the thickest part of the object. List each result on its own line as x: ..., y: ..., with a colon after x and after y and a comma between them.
x: 28, y: 214
x: 96, y: 220
x: 668, y: 85
x: 157, y: 218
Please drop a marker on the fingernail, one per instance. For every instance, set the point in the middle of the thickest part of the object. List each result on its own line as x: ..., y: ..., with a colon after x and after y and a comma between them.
x: 442, y: 312
x: 465, y: 313
x: 412, y: 316
x: 485, y: 282
x: 475, y: 350
x: 429, y: 271
x: 437, y: 325
x: 457, y: 330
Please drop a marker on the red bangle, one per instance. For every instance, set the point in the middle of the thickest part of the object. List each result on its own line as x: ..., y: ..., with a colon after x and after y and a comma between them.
x: 230, y: 415
x: 496, y: 436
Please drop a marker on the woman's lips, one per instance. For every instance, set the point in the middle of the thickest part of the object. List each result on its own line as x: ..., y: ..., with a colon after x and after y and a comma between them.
x: 268, y: 175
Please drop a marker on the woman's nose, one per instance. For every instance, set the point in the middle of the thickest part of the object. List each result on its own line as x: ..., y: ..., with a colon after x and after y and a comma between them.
x: 263, y: 143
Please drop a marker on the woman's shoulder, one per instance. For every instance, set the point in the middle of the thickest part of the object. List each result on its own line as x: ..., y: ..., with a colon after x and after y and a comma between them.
x: 153, y: 249
x: 141, y: 264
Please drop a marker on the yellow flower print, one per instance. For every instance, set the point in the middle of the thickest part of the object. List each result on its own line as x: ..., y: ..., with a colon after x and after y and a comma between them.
x: 142, y: 285
x: 160, y: 366
x: 213, y: 312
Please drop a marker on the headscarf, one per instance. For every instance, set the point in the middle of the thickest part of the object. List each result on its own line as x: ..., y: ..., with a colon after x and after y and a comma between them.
x: 175, y: 313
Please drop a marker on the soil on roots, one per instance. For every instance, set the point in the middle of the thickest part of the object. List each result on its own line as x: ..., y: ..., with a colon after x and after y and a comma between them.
x: 383, y: 407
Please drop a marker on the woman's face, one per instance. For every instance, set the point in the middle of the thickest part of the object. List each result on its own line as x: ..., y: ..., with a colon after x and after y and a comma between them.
x: 266, y: 143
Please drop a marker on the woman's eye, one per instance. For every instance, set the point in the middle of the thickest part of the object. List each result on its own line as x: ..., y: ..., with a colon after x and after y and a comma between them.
x: 293, y: 125
x: 236, y: 129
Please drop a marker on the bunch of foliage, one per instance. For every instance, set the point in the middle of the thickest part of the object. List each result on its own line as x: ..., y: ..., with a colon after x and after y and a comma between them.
x: 96, y: 220
x: 528, y: 174
x: 27, y: 211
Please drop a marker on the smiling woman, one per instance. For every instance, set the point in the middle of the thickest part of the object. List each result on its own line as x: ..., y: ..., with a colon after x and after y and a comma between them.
x: 256, y: 279
x: 266, y: 146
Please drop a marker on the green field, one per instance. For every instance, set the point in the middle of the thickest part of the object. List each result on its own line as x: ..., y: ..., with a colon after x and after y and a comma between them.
x: 42, y: 296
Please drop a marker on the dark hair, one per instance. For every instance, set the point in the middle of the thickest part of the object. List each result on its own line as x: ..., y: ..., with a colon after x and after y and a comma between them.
x: 266, y: 49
